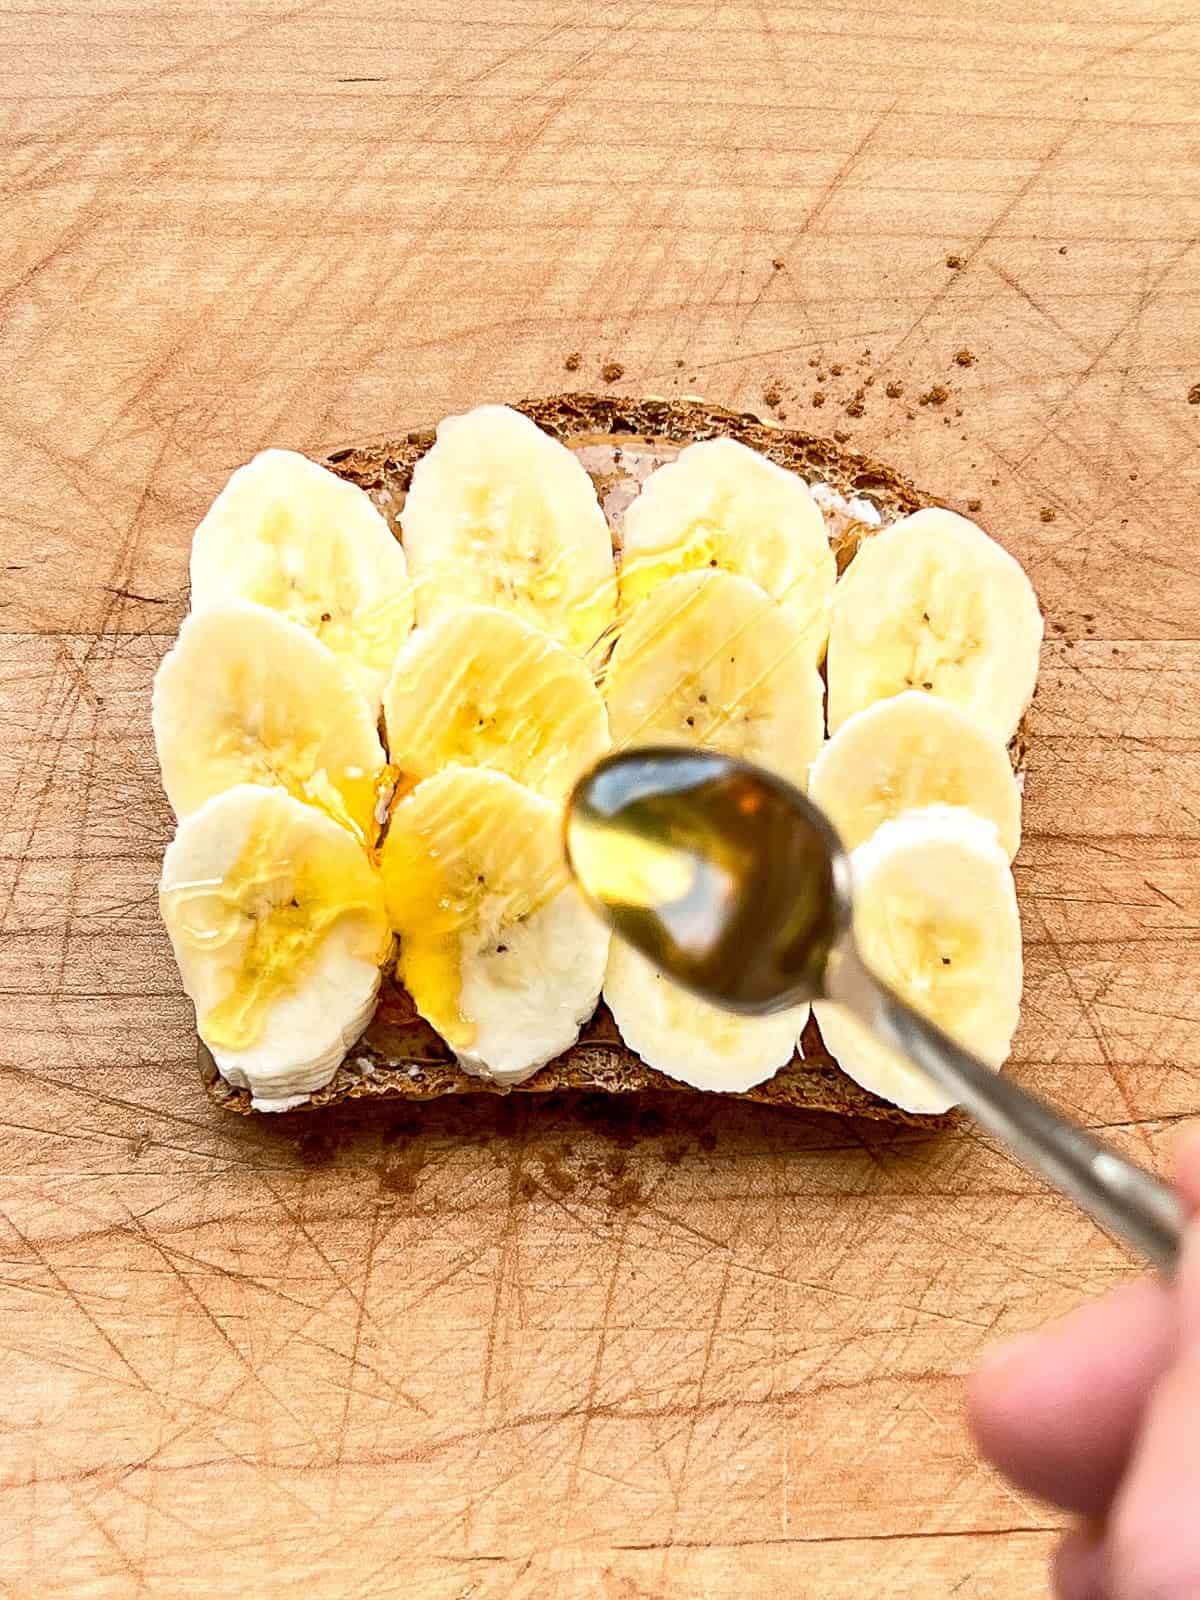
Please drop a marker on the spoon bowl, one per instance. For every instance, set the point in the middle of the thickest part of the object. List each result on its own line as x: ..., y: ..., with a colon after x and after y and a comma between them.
x: 720, y: 873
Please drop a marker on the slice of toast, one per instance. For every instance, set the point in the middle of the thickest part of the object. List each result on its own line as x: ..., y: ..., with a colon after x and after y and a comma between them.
x: 619, y: 442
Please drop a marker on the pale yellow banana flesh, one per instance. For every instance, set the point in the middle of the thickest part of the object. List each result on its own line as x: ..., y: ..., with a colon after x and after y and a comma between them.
x: 481, y: 687
x: 694, y: 1042
x: 278, y: 924
x: 909, y: 751
x: 932, y: 604
x: 292, y: 536
x: 709, y: 659
x: 935, y: 917
x: 721, y: 507
x: 496, y: 947
x: 246, y: 696
x: 500, y: 514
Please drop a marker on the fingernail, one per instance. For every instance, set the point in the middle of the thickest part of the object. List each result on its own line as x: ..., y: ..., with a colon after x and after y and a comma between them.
x: 1006, y: 1353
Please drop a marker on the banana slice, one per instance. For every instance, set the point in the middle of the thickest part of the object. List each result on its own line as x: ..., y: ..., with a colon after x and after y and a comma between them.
x: 483, y: 688
x: 911, y: 751
x: 679, y: 1034
x: 933, y: 604
x: 278, y: 925
x: 501, y: 514
x: 245, y: 696
x: 719, y: 505
x: 293, y: 537
x: 497, y: 949
x: 935, y: 916
x: 709, y: 659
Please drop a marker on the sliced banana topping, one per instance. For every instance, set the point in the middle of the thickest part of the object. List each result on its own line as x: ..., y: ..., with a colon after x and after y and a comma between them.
x: 245, y: 696
x: 277, y: 920
x: 679, y: 1034
x: 933, y: 604
x: 722, y: 507
x: 500, y: 514
x: 935, y: 916
x: 483, y: 688
x: 497, y: 948
x: 266, y: 712
x: 294, y: 537
x: 710, y: 659
x: 910, y: 751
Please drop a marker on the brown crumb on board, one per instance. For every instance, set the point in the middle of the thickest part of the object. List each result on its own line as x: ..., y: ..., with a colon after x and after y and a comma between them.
x: 772, y: 396
x: 818, y: 398
x: 837, y: 369
x: 841, y: 435
x: 778, y: 263
x: 858, y: 405
x: 1194, y: 395
x: 964, y: 358
x: 623, y: 1196
x: 573, y: 361
x: 894, y: 389
x: 974, y: 505
x: 555, y: 1174
x: 1047, y: 513
x: 611, y: 371
x: 954, y: 261
x: 937, y: 395
x: 679, y: 363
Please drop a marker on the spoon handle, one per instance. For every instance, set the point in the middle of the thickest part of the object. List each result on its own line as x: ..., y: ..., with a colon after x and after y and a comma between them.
x: 1125, y: 1199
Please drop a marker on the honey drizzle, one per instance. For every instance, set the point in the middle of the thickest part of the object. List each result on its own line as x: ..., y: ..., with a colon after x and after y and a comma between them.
x: 283, y: 940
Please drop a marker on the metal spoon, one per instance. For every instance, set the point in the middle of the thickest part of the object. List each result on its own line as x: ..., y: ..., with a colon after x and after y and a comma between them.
x: 728, y: 879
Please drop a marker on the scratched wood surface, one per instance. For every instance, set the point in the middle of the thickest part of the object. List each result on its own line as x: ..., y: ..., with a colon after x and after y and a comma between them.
x: 566, y: 1350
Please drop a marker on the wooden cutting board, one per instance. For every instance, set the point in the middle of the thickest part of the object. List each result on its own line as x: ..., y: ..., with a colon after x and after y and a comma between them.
x: 573, y: 1349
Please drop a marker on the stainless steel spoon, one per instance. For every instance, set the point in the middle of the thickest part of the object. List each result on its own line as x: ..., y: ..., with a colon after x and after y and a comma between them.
x: 732, y: 882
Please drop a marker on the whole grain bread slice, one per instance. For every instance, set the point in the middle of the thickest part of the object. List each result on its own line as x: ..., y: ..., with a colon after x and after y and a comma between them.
x: 619, y: 441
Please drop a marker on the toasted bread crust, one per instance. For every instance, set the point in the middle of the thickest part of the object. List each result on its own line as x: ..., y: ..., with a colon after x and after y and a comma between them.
x: 400, y: 1056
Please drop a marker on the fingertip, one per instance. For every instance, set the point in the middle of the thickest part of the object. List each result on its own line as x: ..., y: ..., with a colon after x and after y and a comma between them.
x: 1078, y: 1566
x: 1005, y: 1411
x: 1185, y: 1163
x: 999, y: 1374
x: 1056, y: 1412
